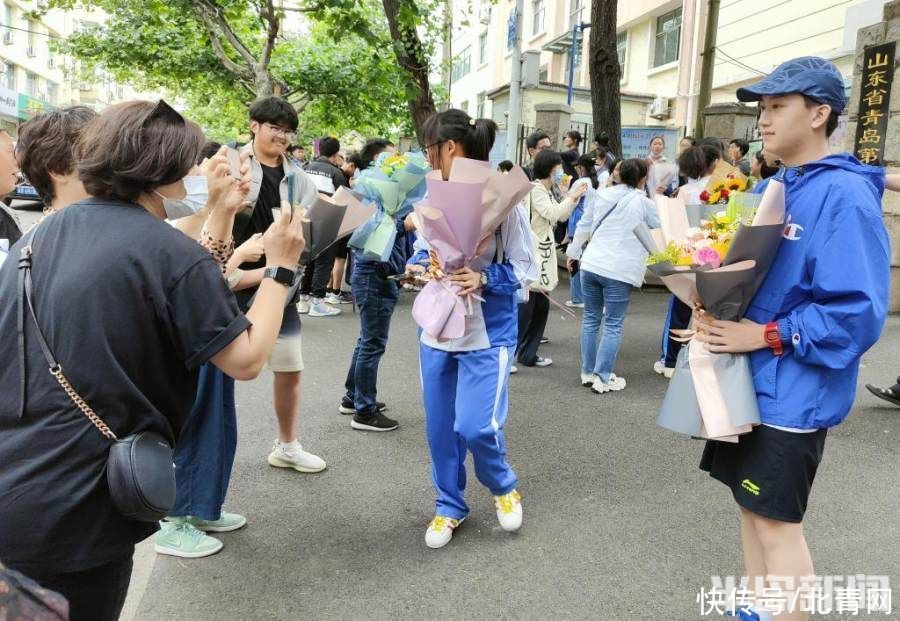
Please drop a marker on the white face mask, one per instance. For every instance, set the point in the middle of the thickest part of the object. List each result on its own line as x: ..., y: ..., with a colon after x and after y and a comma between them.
x: 194, y: 200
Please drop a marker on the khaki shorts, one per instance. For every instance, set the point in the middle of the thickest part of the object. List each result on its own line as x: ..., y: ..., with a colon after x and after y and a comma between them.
x: 287, y: 354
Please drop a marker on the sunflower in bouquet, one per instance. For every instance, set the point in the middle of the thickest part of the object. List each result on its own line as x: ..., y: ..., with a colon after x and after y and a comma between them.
x: 720, y: 189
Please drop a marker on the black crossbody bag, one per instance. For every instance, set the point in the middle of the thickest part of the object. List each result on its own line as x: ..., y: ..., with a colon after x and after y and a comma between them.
x: 140, y: 470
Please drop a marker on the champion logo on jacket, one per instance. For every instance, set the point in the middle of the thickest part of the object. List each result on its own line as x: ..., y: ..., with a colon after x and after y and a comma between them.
x: 792, y: 230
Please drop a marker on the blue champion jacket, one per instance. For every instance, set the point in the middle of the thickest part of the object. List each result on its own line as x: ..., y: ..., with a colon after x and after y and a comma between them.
x: 828, y: 291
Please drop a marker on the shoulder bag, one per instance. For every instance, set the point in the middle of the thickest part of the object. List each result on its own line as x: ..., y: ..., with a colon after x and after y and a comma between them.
x: 140, y: 470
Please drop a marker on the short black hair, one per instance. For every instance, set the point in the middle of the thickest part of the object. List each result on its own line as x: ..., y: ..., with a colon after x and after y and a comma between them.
x: 534, y: 138
x: 575, y: 135
x: 716, y: 143
x: 695, y: 162
x: 632, y: 171
x: 371, y: 149
x: 209, y: 149
x: 328, y: 146
x: 505, y: 166
x: 294, y: 147
x: 833, y: 118
x: 741, y: 144
x: 545, y: 162
x: 357, y: 160
x: 602, y: 139
x: 274, y: 110
x: 765, y: 170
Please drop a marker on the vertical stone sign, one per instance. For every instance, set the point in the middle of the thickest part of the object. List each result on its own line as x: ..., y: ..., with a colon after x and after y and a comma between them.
x: 874, y: 103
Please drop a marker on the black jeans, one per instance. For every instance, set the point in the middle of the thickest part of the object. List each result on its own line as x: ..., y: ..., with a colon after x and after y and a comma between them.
x: 532, y: 321
x: 317, y: 273
x: 95, y: 594
x: 376, y: 297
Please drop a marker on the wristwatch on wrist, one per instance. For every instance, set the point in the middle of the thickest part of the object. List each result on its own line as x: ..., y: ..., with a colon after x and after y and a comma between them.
x: 281, y: 275
x: 484, y: 279
x: 773, y: 338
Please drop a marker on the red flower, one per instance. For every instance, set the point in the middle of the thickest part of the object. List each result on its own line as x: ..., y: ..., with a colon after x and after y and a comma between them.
x: 725, y: 193
x: 704, y: 196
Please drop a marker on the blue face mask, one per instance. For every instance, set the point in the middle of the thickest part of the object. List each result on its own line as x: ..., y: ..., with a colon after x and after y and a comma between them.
x: 557, y: 176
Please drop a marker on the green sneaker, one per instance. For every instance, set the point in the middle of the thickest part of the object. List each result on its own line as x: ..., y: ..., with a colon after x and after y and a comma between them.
x: 178, y: 538
x: 227, y: 522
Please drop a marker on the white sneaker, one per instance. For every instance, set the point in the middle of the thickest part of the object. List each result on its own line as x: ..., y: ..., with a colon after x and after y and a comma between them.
x: 293, y: 456
x: 588, y: 379
x: 509, y: 511
x: 660, y: 367
x: 572, y: 304
x: 318, y: 308
x: 440, y: 531
x: 513, y: 370
x: 303, y: 304
x: 332, y: 298
x: 543, y: 362
x: 614, y: 384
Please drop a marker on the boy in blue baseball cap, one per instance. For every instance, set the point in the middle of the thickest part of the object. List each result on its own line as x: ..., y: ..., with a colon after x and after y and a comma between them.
x: 821, y: 307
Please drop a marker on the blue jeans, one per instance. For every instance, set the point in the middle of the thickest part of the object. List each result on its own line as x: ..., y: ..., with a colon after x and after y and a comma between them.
x: 605, y: 302
x: 575, y: 285
x: 204, y: 453
x: 376, y: 297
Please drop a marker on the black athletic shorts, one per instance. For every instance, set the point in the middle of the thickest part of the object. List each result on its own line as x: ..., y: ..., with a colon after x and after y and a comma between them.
x: 770, y: 471
x: 340, y: 247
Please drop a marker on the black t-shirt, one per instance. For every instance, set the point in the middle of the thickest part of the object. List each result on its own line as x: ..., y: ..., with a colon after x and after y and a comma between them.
x: 131, y: 308
x: 261, y: 217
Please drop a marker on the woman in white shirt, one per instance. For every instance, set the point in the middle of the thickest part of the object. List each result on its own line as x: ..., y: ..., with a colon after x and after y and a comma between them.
x: 613, y: 261
x: 543, y: 212
x: 697, y: 164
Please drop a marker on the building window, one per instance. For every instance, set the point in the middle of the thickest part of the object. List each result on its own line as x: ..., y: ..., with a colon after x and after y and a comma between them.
x: 542, y: 75
x: 479, y: 110
x: 576, y: 9
x: 461, y: 65
x: 621, y: 47
x: 668, y: 37
x: 31, y: 84
x: 537, y: 16
x: 482, y: 48
x: 9, y: 76
x: 52, y: 92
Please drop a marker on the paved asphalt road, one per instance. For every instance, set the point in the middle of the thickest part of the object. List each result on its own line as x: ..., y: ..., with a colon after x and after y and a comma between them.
x: 619, y: 522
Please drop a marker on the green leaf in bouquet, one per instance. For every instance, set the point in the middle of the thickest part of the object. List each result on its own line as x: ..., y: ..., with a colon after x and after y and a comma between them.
x: 742, y: 206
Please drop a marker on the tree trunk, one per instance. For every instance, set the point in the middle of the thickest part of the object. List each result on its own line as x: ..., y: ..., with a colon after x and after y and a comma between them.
x: 604, y: 72
x: 403, y: 16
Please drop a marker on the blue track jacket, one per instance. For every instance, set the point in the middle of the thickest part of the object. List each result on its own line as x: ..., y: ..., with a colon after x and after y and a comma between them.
x: 828, y: 291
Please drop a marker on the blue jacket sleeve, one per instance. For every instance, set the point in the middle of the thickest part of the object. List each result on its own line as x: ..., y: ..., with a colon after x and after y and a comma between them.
x: 501, y: 278
x: 850, y: 275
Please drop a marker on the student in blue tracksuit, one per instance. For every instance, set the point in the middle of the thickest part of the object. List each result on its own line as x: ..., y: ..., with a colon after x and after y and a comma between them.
x: 821, y: 307
x: 464, y: 381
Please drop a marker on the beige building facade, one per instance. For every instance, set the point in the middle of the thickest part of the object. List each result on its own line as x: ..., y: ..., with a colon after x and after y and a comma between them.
x: 659, y: 45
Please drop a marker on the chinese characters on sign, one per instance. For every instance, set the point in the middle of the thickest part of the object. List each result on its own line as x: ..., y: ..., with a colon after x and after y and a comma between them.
x: 875, y: 97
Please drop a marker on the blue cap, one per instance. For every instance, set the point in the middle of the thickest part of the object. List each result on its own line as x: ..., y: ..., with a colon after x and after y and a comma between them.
x: 812, y: 76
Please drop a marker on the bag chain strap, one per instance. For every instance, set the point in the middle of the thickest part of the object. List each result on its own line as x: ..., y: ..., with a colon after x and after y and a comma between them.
x: 80, y: 403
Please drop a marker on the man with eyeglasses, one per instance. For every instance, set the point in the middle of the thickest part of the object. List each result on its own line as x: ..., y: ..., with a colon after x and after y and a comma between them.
x: 273, y: 122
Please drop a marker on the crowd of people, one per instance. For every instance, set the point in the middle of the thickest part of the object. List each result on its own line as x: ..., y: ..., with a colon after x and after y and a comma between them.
x: 185, y: 253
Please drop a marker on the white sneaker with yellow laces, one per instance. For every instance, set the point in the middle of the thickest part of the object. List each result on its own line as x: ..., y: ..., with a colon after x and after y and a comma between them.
x: 440, y: 531
x: 509, y: 511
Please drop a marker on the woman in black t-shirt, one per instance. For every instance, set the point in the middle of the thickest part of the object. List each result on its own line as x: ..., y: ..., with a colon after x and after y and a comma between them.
x: 131, y: 308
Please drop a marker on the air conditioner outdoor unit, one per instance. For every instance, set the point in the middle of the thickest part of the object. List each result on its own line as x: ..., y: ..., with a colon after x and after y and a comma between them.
x: 484, y: 14
x: 659, y: 109
x: 30, y: 51
x: 8, y: 38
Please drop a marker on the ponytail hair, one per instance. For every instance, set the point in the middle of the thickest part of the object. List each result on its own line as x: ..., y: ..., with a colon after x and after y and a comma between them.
x: 476, y: 136
x: 696, y: 162
x: 590, y: 165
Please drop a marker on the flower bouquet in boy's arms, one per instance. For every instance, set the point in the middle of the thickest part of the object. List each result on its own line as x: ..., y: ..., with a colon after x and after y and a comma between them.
x: 393, y: 183
x: 718, y: 268
x: 457, y: 220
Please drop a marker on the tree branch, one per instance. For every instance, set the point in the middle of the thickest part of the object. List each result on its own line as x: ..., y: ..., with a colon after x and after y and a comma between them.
x: 267, y: 11
x: 215, y: 22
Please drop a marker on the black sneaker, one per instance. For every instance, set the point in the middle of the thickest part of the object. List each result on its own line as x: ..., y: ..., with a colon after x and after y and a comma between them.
x: 373, y: 422
x: 346, y: 407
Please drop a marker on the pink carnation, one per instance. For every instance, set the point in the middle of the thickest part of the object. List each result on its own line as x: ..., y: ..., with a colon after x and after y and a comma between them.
x: 708, y: 256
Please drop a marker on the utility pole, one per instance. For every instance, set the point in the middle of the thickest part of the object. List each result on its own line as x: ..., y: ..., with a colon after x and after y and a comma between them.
x: 514, y: 115
x: 708, y: 65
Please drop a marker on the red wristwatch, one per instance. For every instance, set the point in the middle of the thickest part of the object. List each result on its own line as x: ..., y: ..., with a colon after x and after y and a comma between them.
x: 773, y: 338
